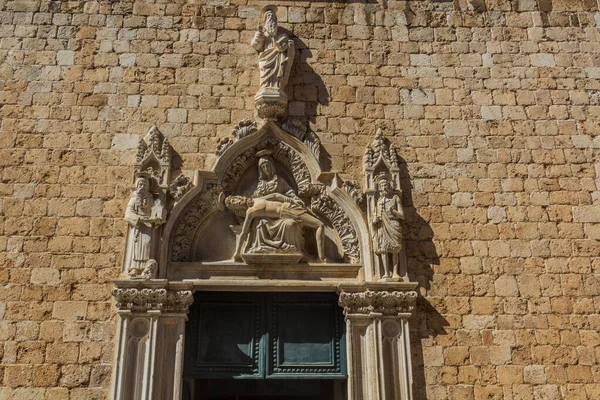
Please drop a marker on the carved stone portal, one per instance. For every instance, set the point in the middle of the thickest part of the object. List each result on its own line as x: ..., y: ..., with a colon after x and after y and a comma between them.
x: 265, y: 218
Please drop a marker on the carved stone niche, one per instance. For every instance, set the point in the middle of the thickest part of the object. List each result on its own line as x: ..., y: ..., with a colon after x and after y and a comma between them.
x: 385, y: 213
x: 153, y: 193
x: 267, y: 211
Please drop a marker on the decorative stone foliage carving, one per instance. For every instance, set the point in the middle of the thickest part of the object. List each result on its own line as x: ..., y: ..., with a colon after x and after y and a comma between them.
x: 142, y: 300
x: 297, y: 129
x: 238, y: 181
x: 353, y: 189
x: 193, y: 217
x: 324, y: 204
x: 244, y: 128
x: 386, y: 303
x: 223, y: 145
x: 180, y: 186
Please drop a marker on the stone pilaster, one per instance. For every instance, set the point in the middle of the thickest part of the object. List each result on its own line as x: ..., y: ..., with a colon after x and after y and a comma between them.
x: 151, y: 340
x: 378, y: 342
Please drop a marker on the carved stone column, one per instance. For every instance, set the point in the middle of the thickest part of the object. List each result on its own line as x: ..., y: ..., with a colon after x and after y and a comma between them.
x: 151, y: 335
x: 378, y: 343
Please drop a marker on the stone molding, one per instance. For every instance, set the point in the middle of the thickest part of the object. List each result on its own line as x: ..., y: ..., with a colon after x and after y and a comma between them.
x: 153, y: 299
x: 379, y: 303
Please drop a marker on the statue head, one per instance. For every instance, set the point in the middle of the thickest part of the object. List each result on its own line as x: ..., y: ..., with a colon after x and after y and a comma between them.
x: 142, y: 183
x: 142, y: 188
x: 270, y: 20
x: 266, y: 165
x: 238, y: 204
x: 383, y: 184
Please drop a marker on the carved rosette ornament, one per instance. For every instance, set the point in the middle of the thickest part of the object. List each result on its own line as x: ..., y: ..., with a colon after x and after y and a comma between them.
x: 379, y: 303
x: 151, y: 299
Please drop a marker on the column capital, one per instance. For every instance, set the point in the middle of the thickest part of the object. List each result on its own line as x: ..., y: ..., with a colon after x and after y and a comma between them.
x: 144, y: 299
x: 378, y: 303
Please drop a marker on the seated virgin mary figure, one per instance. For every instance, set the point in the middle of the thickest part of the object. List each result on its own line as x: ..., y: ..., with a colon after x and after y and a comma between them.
x: 279, y: 213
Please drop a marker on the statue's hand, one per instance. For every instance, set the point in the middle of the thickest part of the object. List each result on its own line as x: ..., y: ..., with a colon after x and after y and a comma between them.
x: 282, y: 43
x: 259, y: 28
x: 376, y: 220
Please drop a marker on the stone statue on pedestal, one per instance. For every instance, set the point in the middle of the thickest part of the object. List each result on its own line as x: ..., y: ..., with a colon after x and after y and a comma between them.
x: 144, y: 214
x: 387, y: 228
x: 280, y: 213
x: 276, y: 55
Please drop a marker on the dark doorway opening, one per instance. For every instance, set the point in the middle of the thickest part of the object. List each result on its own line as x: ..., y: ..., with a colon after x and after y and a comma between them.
x: 280, y: 389
x: 284, y: 346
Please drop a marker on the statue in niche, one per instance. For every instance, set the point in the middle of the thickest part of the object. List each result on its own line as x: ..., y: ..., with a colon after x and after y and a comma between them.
x: 280, y: 214
x: 144, y: 213
x: 276, y: 55
x: 387, y: 227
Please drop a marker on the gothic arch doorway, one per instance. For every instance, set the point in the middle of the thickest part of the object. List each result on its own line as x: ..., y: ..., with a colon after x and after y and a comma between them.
x: 268, y: 224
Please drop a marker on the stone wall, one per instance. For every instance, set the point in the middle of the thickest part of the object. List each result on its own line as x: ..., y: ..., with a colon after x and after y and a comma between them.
x: 495, y: 114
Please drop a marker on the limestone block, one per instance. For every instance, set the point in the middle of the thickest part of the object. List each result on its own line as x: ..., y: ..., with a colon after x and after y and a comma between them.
x: 69, y: 310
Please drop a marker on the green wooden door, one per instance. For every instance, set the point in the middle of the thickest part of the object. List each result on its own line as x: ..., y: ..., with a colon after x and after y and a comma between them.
x: 265, y: 336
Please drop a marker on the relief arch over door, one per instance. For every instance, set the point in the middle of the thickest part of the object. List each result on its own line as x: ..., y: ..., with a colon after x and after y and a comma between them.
x: 295, y: 214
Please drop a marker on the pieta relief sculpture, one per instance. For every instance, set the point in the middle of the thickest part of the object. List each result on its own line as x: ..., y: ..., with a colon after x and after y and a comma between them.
x: 275, y: 58
x: 276, y: 216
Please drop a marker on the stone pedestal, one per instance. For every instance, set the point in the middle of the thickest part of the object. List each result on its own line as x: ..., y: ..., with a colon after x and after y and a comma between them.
x: 271, y: 103
x: 151, y: 339
x: 378, y: 342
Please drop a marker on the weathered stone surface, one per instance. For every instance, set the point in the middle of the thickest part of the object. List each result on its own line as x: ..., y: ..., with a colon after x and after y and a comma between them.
x: 493, y: 114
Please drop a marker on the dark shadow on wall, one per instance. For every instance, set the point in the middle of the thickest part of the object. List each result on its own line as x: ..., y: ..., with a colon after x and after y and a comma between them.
x: 421, y: 255
x: 306, y: 92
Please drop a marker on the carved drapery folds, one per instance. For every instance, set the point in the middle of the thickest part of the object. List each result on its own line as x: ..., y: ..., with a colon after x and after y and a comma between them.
x: 265, y: 211
x: 276, y: 53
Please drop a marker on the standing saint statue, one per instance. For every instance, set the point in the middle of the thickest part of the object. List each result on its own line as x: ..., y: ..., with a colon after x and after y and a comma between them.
x: 276, y: 55
x: 388, y: 228
x: 144, y: 214
x: 281, y: 215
